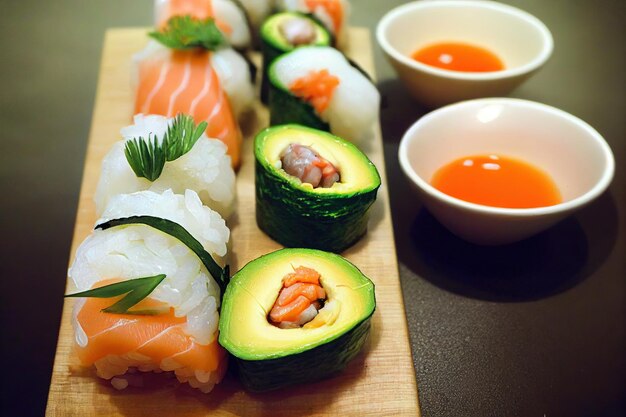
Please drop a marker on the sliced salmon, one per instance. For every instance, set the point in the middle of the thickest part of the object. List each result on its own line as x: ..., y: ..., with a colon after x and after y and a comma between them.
x: 185, y: 82
x: 312, y: 293
x: 301, y: 289
x: 158, y: 337
x: 291, y: 311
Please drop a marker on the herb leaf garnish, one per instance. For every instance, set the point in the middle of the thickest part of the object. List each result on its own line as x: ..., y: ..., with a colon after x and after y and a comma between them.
x: 185, y: 32
x: 147, y: 157
x: 135, y: 290
x: 220, y: 275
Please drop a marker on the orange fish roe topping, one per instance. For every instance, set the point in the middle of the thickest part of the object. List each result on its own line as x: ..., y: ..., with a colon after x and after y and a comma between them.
x: 301, y: 289
x: 317, y: 88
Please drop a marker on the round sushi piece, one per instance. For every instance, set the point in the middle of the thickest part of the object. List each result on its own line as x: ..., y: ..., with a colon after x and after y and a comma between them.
x: 229, y: 17
x: 313, y: 189
x: 295, y: 316
x: 333, y: 14
x: 182, y: 337
x: 206, y: 169
x: 317, y: 86
x: 283, y: 32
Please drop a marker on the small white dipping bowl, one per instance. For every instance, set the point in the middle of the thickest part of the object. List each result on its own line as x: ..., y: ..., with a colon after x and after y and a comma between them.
x: 519, y: 39
x: 568, y: 149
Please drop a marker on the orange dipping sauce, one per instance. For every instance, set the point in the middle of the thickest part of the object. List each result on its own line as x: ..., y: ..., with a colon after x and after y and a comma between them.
x: 457, y: 56
x: 497, y: 181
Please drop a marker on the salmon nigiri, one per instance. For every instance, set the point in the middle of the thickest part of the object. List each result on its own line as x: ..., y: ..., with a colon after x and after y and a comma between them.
x: 174, y: 327
x: 117, y: 343
x: 332, y: 13
x: 211, y: 86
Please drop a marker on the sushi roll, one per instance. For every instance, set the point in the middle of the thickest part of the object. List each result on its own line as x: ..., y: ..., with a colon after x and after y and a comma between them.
x: 203, y: 167
x: 230, y: 18
x: 317, y: 86
x: 211, y: 85
x: 313, y: 189
x: 333, y: 14
x: 155, y: 246
x: 295, y: 316
x: 283, y: 32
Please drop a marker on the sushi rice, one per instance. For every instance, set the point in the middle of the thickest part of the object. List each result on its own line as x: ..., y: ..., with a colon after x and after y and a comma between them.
x: 135, y: 251
x: 206, y: 169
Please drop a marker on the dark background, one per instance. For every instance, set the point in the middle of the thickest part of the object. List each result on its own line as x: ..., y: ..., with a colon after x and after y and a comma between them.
x: 532, y: 329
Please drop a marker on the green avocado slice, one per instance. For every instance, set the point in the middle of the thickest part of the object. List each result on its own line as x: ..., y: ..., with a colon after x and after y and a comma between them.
x: 297, y: 215
x: 269, y: 357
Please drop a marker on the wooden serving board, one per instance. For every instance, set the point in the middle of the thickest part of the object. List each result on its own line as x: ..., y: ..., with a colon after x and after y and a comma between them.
x: 379, y: 382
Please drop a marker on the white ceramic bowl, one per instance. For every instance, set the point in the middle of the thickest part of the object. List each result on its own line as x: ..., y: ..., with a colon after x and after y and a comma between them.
x: 521, y: 41
x: 568, y: 149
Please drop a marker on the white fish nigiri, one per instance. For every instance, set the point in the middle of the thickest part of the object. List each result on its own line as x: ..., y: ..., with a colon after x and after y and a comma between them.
x: 206, y: 169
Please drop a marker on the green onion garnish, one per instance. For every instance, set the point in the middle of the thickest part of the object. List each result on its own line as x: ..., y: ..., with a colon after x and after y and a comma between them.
x: 135, y: 290
x: 185, y: 32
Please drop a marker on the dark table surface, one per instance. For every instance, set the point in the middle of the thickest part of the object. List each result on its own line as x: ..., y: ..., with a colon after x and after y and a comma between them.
x: 531, y: 329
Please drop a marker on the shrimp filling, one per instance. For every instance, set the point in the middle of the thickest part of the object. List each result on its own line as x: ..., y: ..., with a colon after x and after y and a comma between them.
x: 300, y: 299
x: 298, y: 31
x: 307, y: 165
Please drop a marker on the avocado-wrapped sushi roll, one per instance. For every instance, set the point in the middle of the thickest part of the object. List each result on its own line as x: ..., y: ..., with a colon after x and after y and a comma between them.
x: 333, y: 14
x: 230, y: 18
x: 283, y: 32
x: 295, y: 316
x: 313, y: 189
x: 317, y: 86
x: 201, y: 164
x: 158, y: 249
